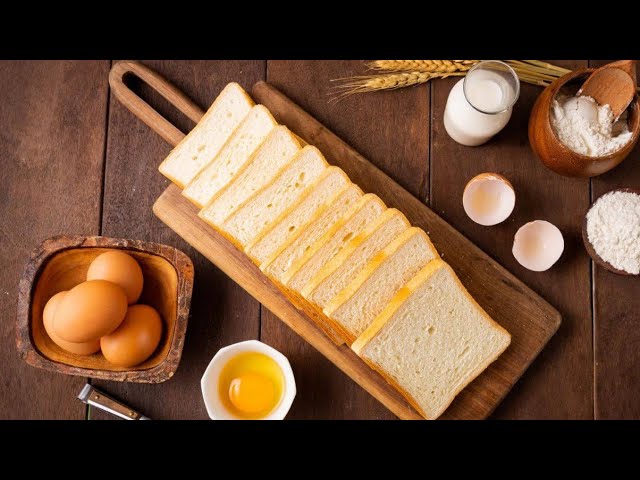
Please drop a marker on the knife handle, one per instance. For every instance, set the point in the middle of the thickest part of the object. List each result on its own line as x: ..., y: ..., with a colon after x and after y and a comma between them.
x: 92, y: 396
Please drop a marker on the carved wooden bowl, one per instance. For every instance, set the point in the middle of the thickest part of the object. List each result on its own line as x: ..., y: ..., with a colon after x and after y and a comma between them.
x: 589, y: 247
x: 61, y: 262
x: 553, y: 153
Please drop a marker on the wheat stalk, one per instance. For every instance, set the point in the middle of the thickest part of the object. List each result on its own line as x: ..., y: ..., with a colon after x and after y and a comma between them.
x: 402, y: 73
x: 370, y: 83
x: 441, y: 66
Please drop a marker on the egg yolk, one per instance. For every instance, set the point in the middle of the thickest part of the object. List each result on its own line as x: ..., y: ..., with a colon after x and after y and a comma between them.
x: 252, y: 393
x: 250, y: 385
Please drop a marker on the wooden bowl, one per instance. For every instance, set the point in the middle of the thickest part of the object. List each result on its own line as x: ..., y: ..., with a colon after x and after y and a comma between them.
x: 553, y: 153
x: 61, y: 262
x: 589, y: 247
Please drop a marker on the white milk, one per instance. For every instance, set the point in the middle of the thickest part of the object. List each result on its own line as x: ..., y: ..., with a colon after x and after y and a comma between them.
x: 479, y: 106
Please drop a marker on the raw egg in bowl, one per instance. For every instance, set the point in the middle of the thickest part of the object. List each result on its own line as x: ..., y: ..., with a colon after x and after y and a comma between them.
x: 248, y: 381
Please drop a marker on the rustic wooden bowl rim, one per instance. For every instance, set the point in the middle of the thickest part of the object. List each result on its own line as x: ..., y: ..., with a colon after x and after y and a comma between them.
x: 590, y: 248
x: 555, y: 88
x: 55, y: 245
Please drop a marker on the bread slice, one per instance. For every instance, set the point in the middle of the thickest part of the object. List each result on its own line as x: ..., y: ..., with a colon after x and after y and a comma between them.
x: 203, y: 143
x: 245, y: 139
x: 337, y: 273
x: 432, y: 339
x: 357, y: 305
x: 274, y: 153
x: 316, y: 197
x: 281, y: 260
x: 260, y: 210
x: 369, y: 207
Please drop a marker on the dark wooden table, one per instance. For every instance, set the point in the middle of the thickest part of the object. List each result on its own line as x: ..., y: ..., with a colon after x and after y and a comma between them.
x: 73, y: 160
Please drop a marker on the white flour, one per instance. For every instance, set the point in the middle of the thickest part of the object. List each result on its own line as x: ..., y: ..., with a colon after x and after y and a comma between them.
x: 613, y: 228
x: 587, y: 128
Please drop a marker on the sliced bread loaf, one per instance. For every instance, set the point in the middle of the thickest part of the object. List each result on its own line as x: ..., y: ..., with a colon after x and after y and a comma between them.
x: 260, y: 210
x: 203, y: 143
x: 234, y: 154
x: 369, y: 207
x: 341, y: 269
x: 316, y: 197
x: 281, y: 260
x: 274, y: 153
x: 358, y: 304
x: 432, y: 339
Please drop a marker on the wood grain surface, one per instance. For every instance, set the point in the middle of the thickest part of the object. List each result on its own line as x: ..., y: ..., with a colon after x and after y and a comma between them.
x: 529, y: 319
x: 616, y: 305
x: 57, y: 118
x: 221, y: 312
x: 565, y: 368
x: 182, y: 216
x: 396, y: 139
x: 51, y: 152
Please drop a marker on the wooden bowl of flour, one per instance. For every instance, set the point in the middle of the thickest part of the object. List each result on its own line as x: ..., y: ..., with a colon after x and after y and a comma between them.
x: 553, y: 153
x: 589, y: 246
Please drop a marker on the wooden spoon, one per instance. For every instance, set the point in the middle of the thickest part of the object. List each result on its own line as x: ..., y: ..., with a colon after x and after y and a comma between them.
x: 613, y: 84
x: 589, y: 247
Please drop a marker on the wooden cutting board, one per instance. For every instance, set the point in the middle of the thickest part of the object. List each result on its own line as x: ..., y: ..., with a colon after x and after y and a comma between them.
x: 530, y: 320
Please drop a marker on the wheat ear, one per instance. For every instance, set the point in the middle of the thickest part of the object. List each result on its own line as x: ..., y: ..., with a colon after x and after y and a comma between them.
x: 441, y: 66
x: 370, y: 83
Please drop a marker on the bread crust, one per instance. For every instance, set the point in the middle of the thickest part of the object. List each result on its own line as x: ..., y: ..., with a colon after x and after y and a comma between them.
x: 309, y: 190
x: 163, y: 166
x: 273, y: 181
x: 299, y: 264
x: 372, y: 331
x: 243, y: 169
x: 267, y: 263
x: 335, y: 263
x: 229, y: 140
x: 346, y: 293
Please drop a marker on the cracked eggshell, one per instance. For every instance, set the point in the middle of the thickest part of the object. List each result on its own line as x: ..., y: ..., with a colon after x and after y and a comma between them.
x: 538, y: 245
x: 488, y: 199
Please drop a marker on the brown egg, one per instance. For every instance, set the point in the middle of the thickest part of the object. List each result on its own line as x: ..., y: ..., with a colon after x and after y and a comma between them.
x: 119, y: 268
x: 135, y: 339
x: 90, y: 310
x: 86, y: 348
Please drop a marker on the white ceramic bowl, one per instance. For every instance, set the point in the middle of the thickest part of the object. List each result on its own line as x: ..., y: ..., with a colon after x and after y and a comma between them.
x: 209, y: 383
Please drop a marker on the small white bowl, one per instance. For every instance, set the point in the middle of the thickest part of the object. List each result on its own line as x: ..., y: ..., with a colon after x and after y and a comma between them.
x: 209, y: 383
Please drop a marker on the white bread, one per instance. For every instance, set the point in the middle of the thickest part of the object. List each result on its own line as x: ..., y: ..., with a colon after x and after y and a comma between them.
x: 203, y: 143
x: 337, y: 273
x: 274, y: 153
x: 281, y: 260
x: 369, y: 207
x: 357, y: 305
x: 234, y: 154
x: 260, y: 210
x: 323, y: 192
x: 432, y: 339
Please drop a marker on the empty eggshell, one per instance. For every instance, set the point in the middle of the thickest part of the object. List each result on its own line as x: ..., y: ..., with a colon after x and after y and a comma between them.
x: 488, y: 199
x: 538, y: 245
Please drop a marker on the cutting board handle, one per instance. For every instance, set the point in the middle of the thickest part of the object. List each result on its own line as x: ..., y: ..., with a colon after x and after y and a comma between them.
x: 142, y: 109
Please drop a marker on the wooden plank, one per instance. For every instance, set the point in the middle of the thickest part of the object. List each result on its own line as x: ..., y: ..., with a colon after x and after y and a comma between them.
x: 52, y: 151
x: 179, y: 214
x: 221, y: 312
x: 392, y: 130
x: 616, y: 316
x: 559, y: 384
x: 530, y: 320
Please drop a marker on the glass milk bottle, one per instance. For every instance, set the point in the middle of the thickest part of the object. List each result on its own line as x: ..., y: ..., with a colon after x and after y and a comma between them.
x: 480, y: 104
